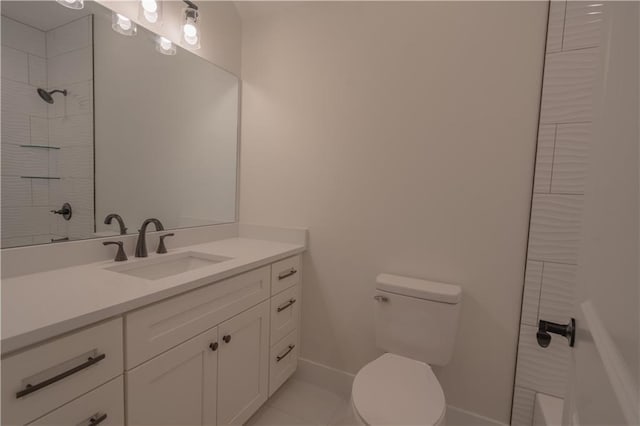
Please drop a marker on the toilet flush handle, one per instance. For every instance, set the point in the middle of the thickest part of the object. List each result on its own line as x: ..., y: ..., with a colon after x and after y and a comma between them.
x: 380, y: 298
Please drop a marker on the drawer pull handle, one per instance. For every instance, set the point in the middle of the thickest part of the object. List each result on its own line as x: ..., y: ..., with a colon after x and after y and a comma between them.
x: 286, y: 305
x: 97, y: 419
x: 226, y: 338
x: 32, y: 388
x: 213, y: 346
x: 287, y: 274
x: 284, y: 355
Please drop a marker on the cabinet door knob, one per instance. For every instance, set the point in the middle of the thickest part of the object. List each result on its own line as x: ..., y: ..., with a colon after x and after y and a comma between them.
x: 226, y: 338
x: 213, y: 346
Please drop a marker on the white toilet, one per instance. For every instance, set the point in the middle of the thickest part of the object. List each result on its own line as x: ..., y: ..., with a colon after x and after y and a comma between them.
x: 416, y: 323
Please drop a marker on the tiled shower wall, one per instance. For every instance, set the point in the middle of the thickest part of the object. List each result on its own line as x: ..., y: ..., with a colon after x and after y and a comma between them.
x: 554, y: 233
x: 60, y: 58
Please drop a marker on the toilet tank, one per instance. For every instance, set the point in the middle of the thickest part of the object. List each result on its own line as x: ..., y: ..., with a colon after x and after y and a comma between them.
x: 416, y: 318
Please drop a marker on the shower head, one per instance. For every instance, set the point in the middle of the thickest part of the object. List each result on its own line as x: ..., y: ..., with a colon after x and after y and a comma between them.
x: 46, y: 96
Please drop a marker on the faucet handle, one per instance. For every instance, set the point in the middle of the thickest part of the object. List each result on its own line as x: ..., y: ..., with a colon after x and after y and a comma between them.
x: 161, y: 247
x: 121, y: 255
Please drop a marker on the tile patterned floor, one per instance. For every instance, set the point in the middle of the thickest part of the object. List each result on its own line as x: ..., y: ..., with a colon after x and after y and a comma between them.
x: 299, y: 403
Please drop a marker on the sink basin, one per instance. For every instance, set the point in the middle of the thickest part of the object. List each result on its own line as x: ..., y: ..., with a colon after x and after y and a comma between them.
x: 168, y: 265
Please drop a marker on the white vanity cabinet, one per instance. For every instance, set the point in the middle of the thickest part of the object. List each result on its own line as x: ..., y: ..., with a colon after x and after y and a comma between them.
x: 210, y: 356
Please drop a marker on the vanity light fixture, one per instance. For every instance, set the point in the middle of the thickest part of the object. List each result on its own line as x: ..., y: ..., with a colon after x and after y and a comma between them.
x: 165, y: 46
x: 191, y: 26
x: 72, y: 4
x: 150, y: 11
x: 123, y: 25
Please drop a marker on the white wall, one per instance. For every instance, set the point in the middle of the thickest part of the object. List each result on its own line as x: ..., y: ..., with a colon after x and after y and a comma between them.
x: 403, y: 135
x: 220, y: 26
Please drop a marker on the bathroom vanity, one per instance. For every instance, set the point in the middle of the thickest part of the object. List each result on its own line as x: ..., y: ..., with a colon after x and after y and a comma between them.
x: 202, y: 343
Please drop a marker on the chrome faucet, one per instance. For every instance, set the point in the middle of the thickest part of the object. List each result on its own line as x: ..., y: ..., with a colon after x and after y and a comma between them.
x: 111, y: 216
x: 141, y: 245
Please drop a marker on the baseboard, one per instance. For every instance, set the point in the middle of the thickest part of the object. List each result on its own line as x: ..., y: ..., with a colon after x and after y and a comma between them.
x: 459, y: 417
x: 332, y: 379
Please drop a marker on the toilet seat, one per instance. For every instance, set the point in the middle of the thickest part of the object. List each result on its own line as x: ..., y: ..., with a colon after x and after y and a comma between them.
x: 394, y: 390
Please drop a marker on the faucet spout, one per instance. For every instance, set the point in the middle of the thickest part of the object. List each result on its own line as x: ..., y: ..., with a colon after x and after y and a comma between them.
x: 141, y: 245
x: 110, y: 217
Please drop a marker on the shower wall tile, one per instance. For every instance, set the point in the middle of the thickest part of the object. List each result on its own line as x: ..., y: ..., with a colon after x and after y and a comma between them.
x: 22, y: 37
x: 15, y: 127
x: 82, y: 224
x: 16, y: 192
x: 570, y: 158
x: 542, y: 369
x: 544, y: 158
x: 21, y: 98
x: 37, y: 71
x: 554, y: 233
x: 531, y: 297
x: 570, y: 70
x: 39, y: 193
x: 76, y: 191
x: 71, y: 130
x: 66, y: 38
x: 567, y: 94
x: 558, y: 290
x: 21, y: 161
x: 15, y: 65
x: 68, y: 68
x: 583, y: 25
x: 522, y: 409
x: 73, y: 161
x: 24, y: 221
x: 39, y: 131
x: 78, y: 101
x: 556, y: 25
x: 16, y: 241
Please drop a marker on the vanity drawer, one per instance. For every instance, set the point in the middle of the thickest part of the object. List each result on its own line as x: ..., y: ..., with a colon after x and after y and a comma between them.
x: 59, y: 371
x: 154, y: 329
x: 285, y: 311
x: 284, y: 361
x: 103, y: 406
x: 285, y: 273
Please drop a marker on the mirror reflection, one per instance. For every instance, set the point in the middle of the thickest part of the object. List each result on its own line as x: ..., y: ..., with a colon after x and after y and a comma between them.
x: 100, y: 130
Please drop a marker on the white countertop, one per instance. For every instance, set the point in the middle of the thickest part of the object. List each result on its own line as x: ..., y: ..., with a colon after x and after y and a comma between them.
x: 39, y: 306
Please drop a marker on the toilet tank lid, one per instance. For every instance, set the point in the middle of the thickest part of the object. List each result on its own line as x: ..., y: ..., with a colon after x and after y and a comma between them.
x: 422, y: 289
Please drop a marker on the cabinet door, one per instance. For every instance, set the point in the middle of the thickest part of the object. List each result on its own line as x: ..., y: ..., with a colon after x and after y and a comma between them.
x: 177, y: 387
x: 243, y: 364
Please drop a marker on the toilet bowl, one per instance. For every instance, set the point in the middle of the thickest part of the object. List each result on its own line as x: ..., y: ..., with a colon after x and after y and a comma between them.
x: 416, y: 324
x: 395, y: 390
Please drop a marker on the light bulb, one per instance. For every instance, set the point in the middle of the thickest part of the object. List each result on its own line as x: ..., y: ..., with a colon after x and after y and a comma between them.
x: 151, y: 16
x: 192, y: 40
x: 124, y: 22
x: 150, y: 6
x: 190, y: 30
x: 72, y: 4
x: 165, y: 43
x: 165, y: 46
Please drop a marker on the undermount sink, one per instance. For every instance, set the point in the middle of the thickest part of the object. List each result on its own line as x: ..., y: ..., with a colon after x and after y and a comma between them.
x: 167, y: 265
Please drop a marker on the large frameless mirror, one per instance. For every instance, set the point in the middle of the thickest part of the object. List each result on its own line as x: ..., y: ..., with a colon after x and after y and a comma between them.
x: 96, y: 124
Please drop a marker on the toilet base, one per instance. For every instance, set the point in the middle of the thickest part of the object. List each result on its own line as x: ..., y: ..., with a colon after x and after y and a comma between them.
x: 355, y: 419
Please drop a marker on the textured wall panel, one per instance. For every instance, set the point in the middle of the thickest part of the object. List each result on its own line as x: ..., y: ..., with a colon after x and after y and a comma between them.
x: 555, y: 228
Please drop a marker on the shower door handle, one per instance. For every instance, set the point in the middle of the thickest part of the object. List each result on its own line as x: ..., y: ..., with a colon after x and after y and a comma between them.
x: 546, y: 327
